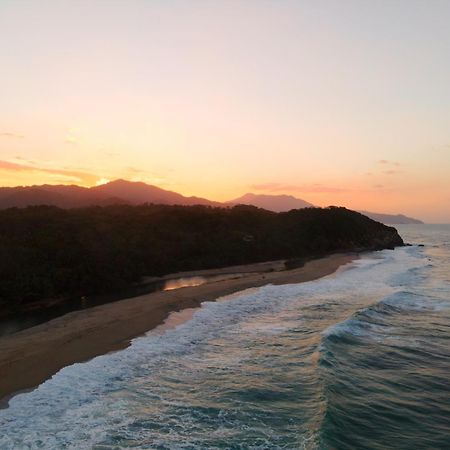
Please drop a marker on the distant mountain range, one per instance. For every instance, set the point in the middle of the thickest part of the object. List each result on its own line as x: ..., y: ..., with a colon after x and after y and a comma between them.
x: 280, y: 203
x: 134, y: 193
x: 277, y: 203
x: 391, y: 218
x: 115, y: 192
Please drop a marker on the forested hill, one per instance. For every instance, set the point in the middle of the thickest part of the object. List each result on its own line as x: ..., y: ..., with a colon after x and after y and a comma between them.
x: 47, y: 252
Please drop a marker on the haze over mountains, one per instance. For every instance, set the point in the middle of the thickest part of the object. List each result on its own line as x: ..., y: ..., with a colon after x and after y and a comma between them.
x: 276, y: 203
x: 391, y: 218
x: 135, y: 193
x: 282, y: 203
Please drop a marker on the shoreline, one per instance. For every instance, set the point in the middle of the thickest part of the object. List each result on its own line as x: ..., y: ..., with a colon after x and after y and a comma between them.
x: 31, y: 356
x: 34, y: 316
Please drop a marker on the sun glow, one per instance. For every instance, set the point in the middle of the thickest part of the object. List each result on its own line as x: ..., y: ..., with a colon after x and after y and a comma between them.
x: 102, y: 181
x: 176, y: 100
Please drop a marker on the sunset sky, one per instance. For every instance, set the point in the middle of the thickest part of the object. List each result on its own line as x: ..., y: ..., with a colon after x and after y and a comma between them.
x: 337, y: 102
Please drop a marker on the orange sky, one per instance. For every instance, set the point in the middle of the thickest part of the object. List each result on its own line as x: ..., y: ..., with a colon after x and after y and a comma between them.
x: 218, y: 99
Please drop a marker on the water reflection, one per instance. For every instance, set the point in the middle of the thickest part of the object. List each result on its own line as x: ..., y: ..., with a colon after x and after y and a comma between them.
x: 10, y: 325
x: 184, y: 282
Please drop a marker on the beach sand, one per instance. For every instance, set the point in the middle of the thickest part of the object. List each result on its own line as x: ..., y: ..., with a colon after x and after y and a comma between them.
x: 31, y: 356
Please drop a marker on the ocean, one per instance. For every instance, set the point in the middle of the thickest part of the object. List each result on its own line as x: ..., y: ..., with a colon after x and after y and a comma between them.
x: 356, y: 360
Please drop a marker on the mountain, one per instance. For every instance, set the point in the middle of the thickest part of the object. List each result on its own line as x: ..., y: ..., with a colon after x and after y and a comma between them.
x: 392, y: 219
x: 138, y: 193
x: 281, y: 203
x: 115, y: 192
x: 10, y: 197
x: 276, y: 203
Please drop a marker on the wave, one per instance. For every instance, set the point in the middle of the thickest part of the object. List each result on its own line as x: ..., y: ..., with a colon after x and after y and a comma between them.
x: 384, y: 373
x: 263, y: 369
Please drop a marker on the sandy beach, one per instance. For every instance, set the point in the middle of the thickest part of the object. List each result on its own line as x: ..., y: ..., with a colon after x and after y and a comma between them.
x: 29, y: 357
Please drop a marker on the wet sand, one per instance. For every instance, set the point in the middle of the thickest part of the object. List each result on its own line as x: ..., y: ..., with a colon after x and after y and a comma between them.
x: 30, y: 357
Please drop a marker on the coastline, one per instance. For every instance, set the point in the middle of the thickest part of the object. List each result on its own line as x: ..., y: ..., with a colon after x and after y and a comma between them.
x: 31, y: 356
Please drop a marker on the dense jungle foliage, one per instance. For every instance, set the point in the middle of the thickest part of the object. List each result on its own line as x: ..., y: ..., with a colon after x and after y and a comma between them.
x: 47, y: 252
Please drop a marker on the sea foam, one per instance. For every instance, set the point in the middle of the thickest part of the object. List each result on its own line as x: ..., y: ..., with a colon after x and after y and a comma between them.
x: 198, y: 384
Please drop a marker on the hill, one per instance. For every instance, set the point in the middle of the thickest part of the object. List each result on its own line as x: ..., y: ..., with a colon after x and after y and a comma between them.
x: 281, y: 203
x: 137, y: 193
x: 115, y: 192
x: 392, y: 219
x: 53, y: 253
x: 276, y: 203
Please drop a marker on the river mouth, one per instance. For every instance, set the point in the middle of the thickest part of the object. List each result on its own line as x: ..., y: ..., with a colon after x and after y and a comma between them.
x: 42, y: 314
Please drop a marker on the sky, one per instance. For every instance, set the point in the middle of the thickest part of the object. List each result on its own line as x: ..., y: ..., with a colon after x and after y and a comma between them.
x: 337, y: 102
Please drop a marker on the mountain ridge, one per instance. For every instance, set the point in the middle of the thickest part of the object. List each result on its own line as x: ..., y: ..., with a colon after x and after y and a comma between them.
x: 276, y: 203
x: 122, y: 191
x: 284, y: 203
x: 115, y: 192
x: 394, y: 219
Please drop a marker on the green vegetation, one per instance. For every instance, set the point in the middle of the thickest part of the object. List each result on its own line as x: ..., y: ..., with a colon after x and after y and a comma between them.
x: 47, y: 252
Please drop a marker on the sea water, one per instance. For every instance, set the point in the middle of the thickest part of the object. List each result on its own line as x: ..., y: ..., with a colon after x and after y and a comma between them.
x: 356, y: 360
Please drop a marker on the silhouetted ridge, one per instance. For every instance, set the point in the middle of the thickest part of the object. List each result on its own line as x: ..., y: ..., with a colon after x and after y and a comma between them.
x: 276, y: 203
x: 115, y: 192
x: 391, y: 218
x: 136, y: 193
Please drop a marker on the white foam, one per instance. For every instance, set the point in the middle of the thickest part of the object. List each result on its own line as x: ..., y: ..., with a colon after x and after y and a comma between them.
x: 81, y: 404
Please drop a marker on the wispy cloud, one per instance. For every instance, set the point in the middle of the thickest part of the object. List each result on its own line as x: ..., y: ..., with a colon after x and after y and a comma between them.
x: 63, y: 178
x: 74, y: 176
x: 389, y: 167
x: 11, y: 135
x: 387, y: 162
x: 137, y: 174
x: 21, y: 160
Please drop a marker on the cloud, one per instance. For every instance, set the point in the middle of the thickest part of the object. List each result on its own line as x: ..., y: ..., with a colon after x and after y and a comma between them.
x: 12, y: 135
x: 310, y: 188
x: 6, y: 165
x: 135, y: 170
x: 387, y: 162
x: 64, y: 174
x: 21, y: 160
x: 61, y: 178
x: 390, y: 167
